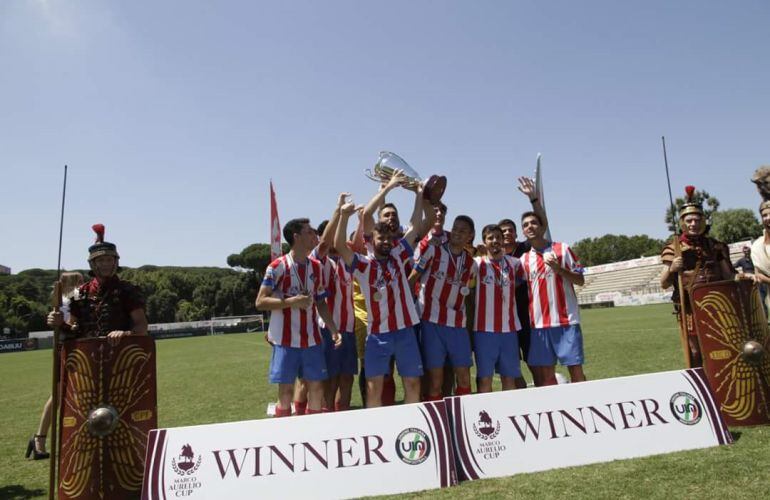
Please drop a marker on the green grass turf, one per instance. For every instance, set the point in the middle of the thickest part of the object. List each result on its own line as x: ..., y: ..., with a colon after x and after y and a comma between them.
x: 224, y: 378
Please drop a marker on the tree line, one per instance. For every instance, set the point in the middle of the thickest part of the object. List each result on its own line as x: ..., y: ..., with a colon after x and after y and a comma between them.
x: 171, y: 293
x: 199, y: 293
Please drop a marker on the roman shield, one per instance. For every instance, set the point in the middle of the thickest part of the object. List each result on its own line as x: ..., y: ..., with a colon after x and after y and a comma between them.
x: 733, y: 335
x: 108, y: 407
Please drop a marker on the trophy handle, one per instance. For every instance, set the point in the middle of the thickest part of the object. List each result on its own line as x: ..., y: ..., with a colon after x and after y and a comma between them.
x: 368, y: 173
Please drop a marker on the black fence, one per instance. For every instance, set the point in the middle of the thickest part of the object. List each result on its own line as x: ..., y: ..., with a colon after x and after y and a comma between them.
x: 16, y: 345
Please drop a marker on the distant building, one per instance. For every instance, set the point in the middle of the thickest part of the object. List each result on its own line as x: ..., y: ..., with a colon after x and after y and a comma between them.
x: 5, y: 270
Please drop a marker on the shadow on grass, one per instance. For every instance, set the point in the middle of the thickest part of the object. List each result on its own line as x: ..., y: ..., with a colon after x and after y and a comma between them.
x: 17, y: 491
x: 736, y: 435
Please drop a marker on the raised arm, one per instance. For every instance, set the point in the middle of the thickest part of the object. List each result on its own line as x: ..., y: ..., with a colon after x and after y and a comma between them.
x: 423, y: 218
x: 327, y: 238
x: 341, y: 238
x: 377, y: 200
x: 529, y: 189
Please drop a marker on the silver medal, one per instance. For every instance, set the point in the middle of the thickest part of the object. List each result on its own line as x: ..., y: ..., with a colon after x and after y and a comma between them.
x: 465, y: 290
x: 377, y: 296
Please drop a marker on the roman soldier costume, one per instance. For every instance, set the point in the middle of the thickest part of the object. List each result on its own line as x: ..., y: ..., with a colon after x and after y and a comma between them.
x: 703, y: 258
x: 103, y: 305
x: 108, y: 388
x: 726, y: 323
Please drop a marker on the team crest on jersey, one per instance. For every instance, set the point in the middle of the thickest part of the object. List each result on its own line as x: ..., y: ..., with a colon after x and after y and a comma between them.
x: 503, y: 281
x: 439, y: 275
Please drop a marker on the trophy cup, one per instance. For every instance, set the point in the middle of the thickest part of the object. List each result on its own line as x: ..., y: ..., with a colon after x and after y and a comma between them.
x: 388, y: 163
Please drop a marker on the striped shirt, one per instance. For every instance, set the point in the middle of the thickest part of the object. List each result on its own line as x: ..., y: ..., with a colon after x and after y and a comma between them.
x: 552, y: 299
x: 444, y: 278
x: 339, y: 284
x: 385, y: 288
x: 495, y: 294
x: 293, y: 327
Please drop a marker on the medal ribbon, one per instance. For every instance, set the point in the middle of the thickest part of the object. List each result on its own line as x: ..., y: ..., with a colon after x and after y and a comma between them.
x: 302, y: 283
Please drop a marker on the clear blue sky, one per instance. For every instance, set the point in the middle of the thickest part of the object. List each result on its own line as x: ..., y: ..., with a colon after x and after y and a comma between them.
x: 173, y: 115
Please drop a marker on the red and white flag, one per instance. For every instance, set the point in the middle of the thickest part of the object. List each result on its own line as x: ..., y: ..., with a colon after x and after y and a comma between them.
x: 275, y: 227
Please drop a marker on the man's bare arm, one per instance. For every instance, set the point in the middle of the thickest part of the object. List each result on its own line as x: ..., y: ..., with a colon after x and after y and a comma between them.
x: 340, y: 240
x: 378, y: 199
x: 138, y: 322
x: 326, y: 315
x: 327, y: 238
x: 266, y: 302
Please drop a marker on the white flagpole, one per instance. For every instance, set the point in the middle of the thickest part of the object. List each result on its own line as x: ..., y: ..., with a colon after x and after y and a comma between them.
x: 541, y: 195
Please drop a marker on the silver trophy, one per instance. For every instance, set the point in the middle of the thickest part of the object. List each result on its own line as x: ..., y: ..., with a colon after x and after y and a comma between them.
x: 388, y: 163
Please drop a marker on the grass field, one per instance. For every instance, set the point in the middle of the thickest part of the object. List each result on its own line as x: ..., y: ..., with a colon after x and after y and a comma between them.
x: 224, y: 378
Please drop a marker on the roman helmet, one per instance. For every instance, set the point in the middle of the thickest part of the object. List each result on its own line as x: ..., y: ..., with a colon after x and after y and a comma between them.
x: 101, y: 247
x: 691, y: 206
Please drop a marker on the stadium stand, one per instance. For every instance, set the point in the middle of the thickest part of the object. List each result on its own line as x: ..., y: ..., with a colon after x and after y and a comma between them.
x: 631, y: 282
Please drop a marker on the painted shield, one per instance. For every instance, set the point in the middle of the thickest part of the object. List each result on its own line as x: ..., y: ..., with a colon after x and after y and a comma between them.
x: 733, y: 335
x: 109, y: 405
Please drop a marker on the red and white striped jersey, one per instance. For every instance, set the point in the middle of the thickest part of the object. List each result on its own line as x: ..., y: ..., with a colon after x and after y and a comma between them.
x: 552, y: 299
x: 444, y: 278
x: 432, y: 238
x: 385, y: 288
x: 293, y: 327
x: 339, y: 285
x: 496, y: 294
x: 404, y: 255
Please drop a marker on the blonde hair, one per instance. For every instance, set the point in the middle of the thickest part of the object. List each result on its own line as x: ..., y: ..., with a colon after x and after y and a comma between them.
x: 69, y: 282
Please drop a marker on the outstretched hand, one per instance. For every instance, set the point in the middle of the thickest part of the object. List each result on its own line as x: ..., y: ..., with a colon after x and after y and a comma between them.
x: 528, y: 187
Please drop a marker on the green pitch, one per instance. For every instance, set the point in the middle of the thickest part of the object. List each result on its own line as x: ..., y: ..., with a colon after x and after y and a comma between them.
x: 224, y: 378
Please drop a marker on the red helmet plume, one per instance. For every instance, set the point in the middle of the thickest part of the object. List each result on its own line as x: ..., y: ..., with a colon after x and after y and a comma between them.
x: 99, y: 230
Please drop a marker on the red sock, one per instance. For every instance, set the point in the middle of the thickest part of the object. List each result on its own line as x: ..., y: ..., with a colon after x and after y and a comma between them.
x: 300, y: 407
x: 312, y: 412
x: 462, y: 391
x: 341, y: 407
x: 388, y: 391
x: 281, y: 412
x: 326, y: 410
x: 434, y: 397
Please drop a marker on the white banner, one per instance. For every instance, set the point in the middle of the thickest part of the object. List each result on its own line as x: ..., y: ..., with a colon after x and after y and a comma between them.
x: 334, y: 455
x: 501, y: 434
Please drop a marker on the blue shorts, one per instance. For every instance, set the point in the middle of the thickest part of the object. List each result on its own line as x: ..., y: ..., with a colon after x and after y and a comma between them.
x: 290, y: 363
x: 564, y: 343
x: 440, y: 342
x: 524, y: 335
x: 342, y: 360
x: 496, y: 352
x: 399, y: 343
